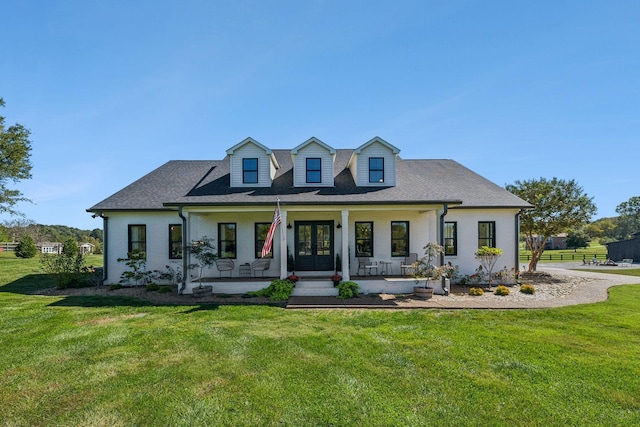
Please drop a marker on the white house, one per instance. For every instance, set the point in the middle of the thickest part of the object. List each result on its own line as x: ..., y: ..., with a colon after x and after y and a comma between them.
x: 362, y: 202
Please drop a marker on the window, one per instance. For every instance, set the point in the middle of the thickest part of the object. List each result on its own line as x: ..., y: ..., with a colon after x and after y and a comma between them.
x: 175, y: 241
x: 451, y: 238
x: 137, y: 239
x: 376, y: 169
x: 399, y: 238
x: 314, y: 170
x: 364, y: 239
x: 262, y: 229
x: 487, y: 234
x: 249, y: 171
x: 227, y: 240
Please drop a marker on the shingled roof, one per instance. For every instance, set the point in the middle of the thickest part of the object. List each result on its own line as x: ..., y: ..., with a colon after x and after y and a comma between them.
x: 189, y: 183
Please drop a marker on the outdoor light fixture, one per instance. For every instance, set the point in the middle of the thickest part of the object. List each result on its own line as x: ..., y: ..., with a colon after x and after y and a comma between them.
x: 289, y: 226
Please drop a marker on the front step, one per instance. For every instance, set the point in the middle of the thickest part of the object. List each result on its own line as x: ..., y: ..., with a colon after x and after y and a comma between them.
x: 314, y: 288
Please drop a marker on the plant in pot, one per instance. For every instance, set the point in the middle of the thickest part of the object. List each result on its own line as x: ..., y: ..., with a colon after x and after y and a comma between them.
x: 426, y: 269
x: 204, y: 252
x: 336, y: 278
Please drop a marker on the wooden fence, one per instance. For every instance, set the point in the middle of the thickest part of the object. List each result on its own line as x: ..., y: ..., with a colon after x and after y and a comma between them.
x: 565, y: 257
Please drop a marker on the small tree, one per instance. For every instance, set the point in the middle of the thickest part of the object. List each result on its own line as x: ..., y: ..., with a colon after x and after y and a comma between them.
x: 204, y: 251
x: 26, y: 248
x: 488, y: 258
x: 137, y: 273
x: 426, y: 267
x: 577, y: 239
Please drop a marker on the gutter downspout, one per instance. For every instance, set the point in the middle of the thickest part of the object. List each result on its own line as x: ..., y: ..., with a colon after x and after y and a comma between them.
x: 184, y: 251
x: 105, y: 251
x: 517, y: 256
x: 441, y: 243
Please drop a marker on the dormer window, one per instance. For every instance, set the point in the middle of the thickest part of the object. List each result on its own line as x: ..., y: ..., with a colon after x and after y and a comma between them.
x: 314, y: 170
x: 250, y: 171
x: 376, y: 169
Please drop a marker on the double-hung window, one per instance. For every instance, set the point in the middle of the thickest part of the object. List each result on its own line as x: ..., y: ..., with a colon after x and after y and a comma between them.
x: 451, y: 238
x: 364, y: 239
x: 314, y: 170
x: 137, y: 241
x: 175, y: 241
x: 487, y: 234
x: 249, y: 171
x: 262, y: 229
x: 376, y: 169
x: 227, y: 243
x: 399, y: 238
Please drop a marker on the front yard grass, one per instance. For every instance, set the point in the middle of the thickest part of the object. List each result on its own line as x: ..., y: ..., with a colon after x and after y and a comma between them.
x: 120, y: 362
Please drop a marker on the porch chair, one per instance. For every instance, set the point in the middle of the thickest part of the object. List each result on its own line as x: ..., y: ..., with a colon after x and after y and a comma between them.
x: 224, y: 264
x: 260, y: 265
x: 366, y: 265
x: 408, y: 263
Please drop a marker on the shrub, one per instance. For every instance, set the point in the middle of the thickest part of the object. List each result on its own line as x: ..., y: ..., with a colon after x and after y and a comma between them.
x: 164, y: 289
x: 501, y: 290
x: 527, y: 289
x: 348, y: 289
x: 26, y: 248
x: 67, y: 269
x: 278, y: 290
x: 476, y: 292
x: 115, y: 286
x: 153, y: 287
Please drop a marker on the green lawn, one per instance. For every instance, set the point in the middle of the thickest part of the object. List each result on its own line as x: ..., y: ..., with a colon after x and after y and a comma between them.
x: 119, y: 362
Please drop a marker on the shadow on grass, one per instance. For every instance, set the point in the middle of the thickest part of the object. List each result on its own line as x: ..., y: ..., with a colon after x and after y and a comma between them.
x: 32, y: 284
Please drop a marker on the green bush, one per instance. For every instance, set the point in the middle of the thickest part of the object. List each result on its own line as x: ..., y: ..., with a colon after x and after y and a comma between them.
x: 164, y: 289
x: 278, y: 290
x: 348, y: 289
x: 67, y: 269
x: 153, y: 287
x: 26, y: 248
x: 115, y: 286
x: 501, y: 290
x: 476, y: 292
x: 527, y: 289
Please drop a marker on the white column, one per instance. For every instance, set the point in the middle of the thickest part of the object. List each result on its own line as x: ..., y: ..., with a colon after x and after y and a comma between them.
x: 345, y: 245
x: 283, y: 244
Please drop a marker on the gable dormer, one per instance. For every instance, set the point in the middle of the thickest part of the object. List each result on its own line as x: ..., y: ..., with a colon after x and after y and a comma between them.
x: 313, y: 164
x: 373, y: 164
x: 251, y: 164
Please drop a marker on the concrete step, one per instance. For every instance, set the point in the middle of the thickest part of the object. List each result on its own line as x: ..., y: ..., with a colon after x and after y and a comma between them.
x: 315, y: 288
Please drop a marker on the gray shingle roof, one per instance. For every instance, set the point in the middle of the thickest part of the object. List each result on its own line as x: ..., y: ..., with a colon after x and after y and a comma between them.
x: 207, y: 183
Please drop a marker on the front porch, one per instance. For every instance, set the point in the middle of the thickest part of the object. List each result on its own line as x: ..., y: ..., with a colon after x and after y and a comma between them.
x: 310, y: 284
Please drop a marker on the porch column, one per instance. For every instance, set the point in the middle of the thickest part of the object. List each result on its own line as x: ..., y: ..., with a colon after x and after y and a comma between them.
x: 283, y: 244
x: 345, y: 245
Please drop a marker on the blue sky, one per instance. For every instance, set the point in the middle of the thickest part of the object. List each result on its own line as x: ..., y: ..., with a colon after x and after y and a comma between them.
x: 513, y: 90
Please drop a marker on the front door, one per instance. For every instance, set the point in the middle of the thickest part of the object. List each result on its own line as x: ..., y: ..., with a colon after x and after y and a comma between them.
x: 314, y: 246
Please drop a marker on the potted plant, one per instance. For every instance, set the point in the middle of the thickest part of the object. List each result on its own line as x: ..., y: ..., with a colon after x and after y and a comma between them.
x: 336, y: 278
x: 425, y: 269
x: 203, y: 251
x: 293, y: 278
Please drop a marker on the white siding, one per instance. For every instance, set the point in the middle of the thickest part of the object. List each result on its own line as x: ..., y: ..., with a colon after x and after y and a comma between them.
x: 266, y: 171
x: 467, y: 223
x: 360, y: 168
x: 313, y: 150
x: 157, y: 226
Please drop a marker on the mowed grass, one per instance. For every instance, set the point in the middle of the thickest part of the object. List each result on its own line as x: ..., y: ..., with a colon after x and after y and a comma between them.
x: 119, y: 362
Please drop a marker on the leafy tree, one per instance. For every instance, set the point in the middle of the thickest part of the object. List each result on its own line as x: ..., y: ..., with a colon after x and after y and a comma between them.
x: 488, y: 258
x: 629, y: 221
x: 15, y: 151
x: 26, y: 248
x: 577, y: 239
x: 559, y: 206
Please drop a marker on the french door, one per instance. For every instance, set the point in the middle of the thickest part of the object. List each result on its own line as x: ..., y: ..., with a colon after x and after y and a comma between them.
x: 314, y: 245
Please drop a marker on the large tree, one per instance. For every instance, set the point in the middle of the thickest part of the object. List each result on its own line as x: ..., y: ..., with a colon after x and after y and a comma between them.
x: 629, y: 221
x: 559, y: 206
x: 15, y: 165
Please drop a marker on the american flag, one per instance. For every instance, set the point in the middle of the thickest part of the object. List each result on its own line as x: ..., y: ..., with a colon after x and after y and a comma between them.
x: 268, y: 242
